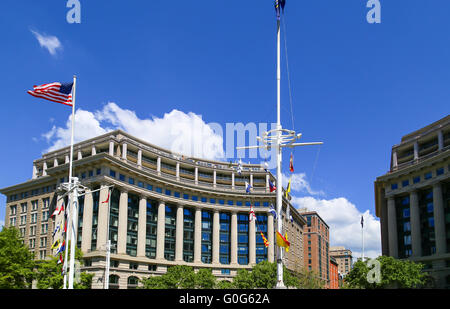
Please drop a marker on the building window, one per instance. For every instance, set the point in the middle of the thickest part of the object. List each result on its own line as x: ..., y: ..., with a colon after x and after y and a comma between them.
x: 152, y: 223
x: 131, y: 181
x: 394, y: 186
x: 186, y: 196
x: 428, y: 175
x: 405, y: 183
x: 224, y: 250
x: 188, y: 235
x: 114, y: 219
x: 427, y: 221
x: 121, y: 177
x: 112, y: 173
x: 170, y: 232
x: 243, y: 237
x: 132, y: 224
x: 206, y: 237
x: 439, y: 171
x: 416, y: 179
x: 261, y: 227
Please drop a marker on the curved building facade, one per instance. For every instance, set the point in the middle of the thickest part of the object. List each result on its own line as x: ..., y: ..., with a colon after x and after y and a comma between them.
x: 165, y: 209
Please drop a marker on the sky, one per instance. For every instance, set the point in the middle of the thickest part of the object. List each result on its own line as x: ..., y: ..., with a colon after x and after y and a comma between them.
x: 158, y: 69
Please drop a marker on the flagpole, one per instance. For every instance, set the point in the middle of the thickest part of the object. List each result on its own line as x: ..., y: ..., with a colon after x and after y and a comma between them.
x: 362, y: 232
x: 71, y: 200
x: 108, y: 243
x: 280, y: 283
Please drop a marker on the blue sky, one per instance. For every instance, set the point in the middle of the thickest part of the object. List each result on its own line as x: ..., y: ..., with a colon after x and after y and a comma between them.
x: 356, y: 86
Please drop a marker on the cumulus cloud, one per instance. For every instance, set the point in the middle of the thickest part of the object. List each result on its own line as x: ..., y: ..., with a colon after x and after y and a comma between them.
x: 50, y: 42
x: 299, y: 183
x: 179, y: 132
x: 344, y: 220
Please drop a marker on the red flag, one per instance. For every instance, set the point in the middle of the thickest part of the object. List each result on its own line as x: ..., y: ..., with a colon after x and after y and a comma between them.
x: 107, y: 199
x: 291, y: 164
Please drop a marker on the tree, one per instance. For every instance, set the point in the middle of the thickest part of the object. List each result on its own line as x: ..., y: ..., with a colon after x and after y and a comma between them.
x: 393, y: 273
x: 48, y: 273
x: 204, y: 279
x: 243, y: 280
x: 16, y: 261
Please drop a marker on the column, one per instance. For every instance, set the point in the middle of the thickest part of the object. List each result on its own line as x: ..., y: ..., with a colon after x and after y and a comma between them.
x: 416, y: 241
x: 234, y: 242
x: 86, y: 236
x: 439, y: 219
x: 416, y: 150
x: 252, y: 242
x: 142, y: 226
x: 66, y: 159
x: 111, y: 148
x: 55, y: 162
x: 267, y: 182
x: 232, y: 180
x: 161, y: 227
x: 179, y: 234
x: 124, y: 151
x: 196, y: 175
x: 440, y: 140
x: 93, y: 151
x: 44, y: 169
x: 392, y: 223
x: 34, y: 175
x: 103, y: 212
x: 216, y: 237
x: 251, y: 180
x: 177, y: 171
x: 158, y: 165
x: 198, y: 236
x: 123, y: 220
x: 270, y: 238
x: 139, y: 157
x: 394, y: 160
x: 80, y: 155
x: 214, y: 178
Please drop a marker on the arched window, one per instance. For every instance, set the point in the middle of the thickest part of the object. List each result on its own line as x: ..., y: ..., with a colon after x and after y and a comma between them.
x: 113, y: 282
x: 132, y: 282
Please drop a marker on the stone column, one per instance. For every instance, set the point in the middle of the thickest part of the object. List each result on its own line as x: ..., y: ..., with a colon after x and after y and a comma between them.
x: 392, y: 226
x: 44, y: 169
x: 80, y: 155
x: 111, y: 148
x: 440, y: 140
x: 139, y: 157
x: 214, y: 178
x: 55, y: 162
x: 234, y: 240
x: 179, y: 233
x: 161, y: 227
x: 93, y: 151
x: 102, y: 225
x: 124, y: 151
x: 394, y: 160
x: 142, y: 226
x: 251, y: 180
x: 439, y: 219
x: 196, y: 175
x: 416, y: 150
x: 252, y: 242
x: 177, y: 171
x: 86, y: 235
x: 270, y: 238
x: 216, y: 237
x: 267, y: 182
x: 66, y: 159
x: 158, y: 165
x: 416, y: 241
x: 198, y: 236
x: 232, y: 180
x: 123, y: 221
x: 34, y: 175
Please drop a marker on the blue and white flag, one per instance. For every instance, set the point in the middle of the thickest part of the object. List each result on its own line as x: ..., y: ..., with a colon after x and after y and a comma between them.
x: 239, y: 167
x: 248, y: 187
x: 56, y: 229
x: 273, y: 211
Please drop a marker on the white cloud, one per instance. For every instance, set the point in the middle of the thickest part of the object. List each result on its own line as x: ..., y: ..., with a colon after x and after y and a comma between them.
x: 300, y: 184
x: 50, y: 42
x: 177, y: 131
x: 344, y: 220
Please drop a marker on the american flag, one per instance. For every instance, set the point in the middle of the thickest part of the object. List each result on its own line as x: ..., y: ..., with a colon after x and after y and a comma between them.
x: 55, y: 92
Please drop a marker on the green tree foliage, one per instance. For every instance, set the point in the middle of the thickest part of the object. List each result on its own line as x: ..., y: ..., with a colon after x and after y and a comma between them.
x: 48, y: 274
x: 394, y: 273
x: 181, y: 277
x: 16, y: 261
